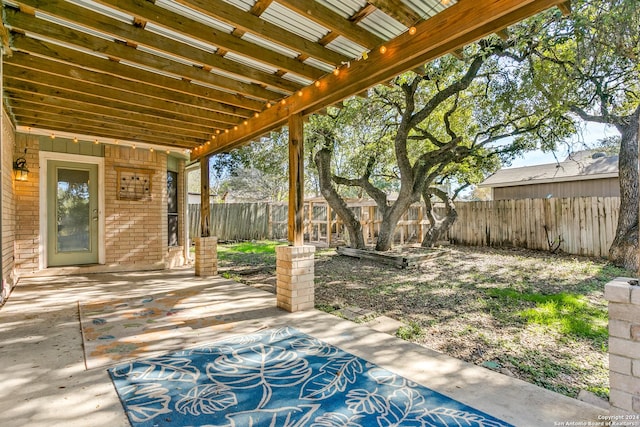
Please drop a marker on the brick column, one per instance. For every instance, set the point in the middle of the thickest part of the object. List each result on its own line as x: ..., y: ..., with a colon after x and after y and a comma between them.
x: 295, y: 274
x: 206, y: 256
x: 624, y: 345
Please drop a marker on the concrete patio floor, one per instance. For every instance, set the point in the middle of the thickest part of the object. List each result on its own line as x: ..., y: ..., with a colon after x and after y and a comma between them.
x: 44, y: 381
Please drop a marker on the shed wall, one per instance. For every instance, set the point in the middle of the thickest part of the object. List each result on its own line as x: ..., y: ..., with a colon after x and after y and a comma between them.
x: 605, y: 187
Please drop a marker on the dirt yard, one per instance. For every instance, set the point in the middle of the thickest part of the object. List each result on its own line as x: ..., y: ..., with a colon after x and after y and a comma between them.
x: 536, y: 316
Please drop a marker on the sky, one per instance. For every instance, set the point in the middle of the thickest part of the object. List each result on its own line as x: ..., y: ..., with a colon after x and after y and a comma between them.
x: 591, y: 133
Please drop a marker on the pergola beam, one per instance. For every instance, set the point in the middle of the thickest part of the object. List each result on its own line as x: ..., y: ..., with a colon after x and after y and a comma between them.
x: 149, y: 12
x: 121, y: 51
x: 329, y: 19
x: 134, y: 35
x: 230, y: 104
x: 460, y: 24
x: 247, y: 22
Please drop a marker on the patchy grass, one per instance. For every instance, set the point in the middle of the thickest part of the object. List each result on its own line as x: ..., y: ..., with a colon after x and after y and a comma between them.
x: 570, y: 314
x: 410, y: 332
x: 255, y: 253
x: 537, y: 316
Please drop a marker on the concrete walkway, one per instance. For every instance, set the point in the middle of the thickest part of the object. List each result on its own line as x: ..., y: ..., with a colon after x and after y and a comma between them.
x: 44, y: 382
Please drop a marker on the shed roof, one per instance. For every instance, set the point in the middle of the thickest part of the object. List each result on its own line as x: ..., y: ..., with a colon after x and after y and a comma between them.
x: 208, y: 75
x: 577, y: 167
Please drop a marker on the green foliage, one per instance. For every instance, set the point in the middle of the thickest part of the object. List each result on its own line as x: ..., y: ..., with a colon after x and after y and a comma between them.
x: 259, y: 171
x: 412, y: 331
x: 566, y: 313
x: 249, y: 253
x: 588, y: 60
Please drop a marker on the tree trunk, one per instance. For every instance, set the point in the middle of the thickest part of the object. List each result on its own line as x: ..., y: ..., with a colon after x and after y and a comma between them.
x: 390, y: 218
x: 354, y: 228
x: 384, y: 242
x: 624, y: 249
x: 438, y: 228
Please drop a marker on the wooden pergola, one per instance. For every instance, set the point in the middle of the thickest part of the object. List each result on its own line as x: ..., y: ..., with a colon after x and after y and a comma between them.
x: 206, y: 76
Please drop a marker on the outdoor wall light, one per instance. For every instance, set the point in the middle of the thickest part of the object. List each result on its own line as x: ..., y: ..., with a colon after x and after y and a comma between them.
x: 20, y: 170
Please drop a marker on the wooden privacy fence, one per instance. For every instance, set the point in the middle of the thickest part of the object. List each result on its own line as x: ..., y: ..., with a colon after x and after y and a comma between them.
x: 241, y: 221
x: 581, y: 226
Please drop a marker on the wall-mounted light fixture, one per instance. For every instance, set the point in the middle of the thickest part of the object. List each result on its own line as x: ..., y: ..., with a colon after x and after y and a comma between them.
x: 20, y: 170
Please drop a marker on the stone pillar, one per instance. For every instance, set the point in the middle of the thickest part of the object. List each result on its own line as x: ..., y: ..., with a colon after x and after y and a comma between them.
x: 624, y: 345
x: 295, y: 274
x: 206, y: 256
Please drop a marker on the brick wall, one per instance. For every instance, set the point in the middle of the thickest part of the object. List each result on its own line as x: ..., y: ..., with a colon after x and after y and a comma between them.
x: 624, y: 345
x: 27, y: 207
x: 295, y: 277
x: 8, y: 207
x: 136, y: 230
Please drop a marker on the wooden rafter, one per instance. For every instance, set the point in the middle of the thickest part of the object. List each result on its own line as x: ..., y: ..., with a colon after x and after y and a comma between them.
x: 157, y: 73
x: 397, y: 10
x: 249, y: 23
x: 565, y: 7
x: 330, y: 19
x: 198, y: 31
x: 435, y: 37
x: 232, y: 104
x: 135, y: 36
x: 121, y: 51
x: 153, y: 106
x: 72, y: 108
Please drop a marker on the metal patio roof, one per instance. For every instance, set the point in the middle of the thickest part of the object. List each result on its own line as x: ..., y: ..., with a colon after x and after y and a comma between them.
x: 208, y: 75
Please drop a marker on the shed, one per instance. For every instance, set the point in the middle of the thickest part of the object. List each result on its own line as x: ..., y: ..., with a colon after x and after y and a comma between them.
x: 582, y: 174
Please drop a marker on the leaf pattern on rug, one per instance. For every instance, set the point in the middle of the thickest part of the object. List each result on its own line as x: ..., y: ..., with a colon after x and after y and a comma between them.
x: 282, y: 417
x: 336, y: 419
x: 312, y: 346
x: 334, y: 377
x: 280, y: 378
x: 262, y: 366
x: 382, y: 376
x: 366, y: 402
x: 146, y: 401
x: 206, y: 399
x: 455, y: 418
x: 163, y: 368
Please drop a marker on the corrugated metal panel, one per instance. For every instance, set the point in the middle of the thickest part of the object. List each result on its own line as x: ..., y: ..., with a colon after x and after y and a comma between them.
x: 67, y: 45
x: 229, y: 75
x: 194, y: 15
x: 170, y: 34
x: 428, y: 8
x: 347, y: 47
x: 149, y: 69
x: 250, y: 62
x: 382, y: 25
x: 105, y: 10
x: 165, y: 55
x: 252, y: 38
x: 346, y: 8
x: 319, y: 64
x: 294, y: 22
x: 245, y: 5
x: 73, y: 26
x: 297, y: 79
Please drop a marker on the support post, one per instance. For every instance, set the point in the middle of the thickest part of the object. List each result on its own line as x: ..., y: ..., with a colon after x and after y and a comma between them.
x: 295, y: 263
x: 206, y: 245
x: 295, y: 277
x: 205, y: 207
x: 296, y: 180
x: 623, y: 295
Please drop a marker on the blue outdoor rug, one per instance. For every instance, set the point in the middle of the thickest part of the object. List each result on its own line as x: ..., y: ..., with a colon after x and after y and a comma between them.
x: 279, y: 378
